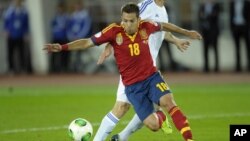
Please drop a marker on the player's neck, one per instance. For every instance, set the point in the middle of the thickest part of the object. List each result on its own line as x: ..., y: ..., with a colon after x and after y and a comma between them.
x: 159, y: 2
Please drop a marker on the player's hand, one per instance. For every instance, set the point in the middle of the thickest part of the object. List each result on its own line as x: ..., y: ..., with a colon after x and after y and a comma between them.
x: 194, y: 35
x: 182, y: 44
x: 105, y: 54
x: 53, y: 47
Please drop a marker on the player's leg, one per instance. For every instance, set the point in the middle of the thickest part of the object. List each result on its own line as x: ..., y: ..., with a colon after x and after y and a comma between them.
x: 145, y: 111
x: 112, y: 118
x: 161, y: 95
x: 166, y: 127
x: 136, y: 124
x: 143, y: 105
x: 179, y: 119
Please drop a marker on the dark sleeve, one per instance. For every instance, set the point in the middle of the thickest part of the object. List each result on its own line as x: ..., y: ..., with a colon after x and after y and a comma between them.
x: 105, y: 36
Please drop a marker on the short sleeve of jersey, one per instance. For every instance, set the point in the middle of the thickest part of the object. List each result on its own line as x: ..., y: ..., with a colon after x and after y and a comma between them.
x: 149, y: 9
x: 145, y: 9
x: 104, y: 36
x: 151, y: 26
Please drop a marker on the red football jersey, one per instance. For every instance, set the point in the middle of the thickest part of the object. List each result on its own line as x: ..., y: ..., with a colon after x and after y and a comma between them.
x: 132, y: 53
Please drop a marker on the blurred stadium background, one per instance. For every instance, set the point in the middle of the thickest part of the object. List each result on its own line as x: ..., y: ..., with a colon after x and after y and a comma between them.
x: 103, y: 12
x: 40, y: 106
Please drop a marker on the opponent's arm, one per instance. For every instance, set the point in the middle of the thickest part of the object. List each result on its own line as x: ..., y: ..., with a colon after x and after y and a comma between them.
x: 173, y: 28
x: 105, y: 54
x: 181, y: 44
x: 74, y: 45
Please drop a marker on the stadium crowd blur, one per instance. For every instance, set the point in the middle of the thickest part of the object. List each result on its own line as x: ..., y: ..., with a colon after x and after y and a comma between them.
x: 69, y: 20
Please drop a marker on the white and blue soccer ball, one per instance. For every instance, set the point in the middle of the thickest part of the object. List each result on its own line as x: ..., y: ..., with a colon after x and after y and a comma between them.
x: 80, y: 130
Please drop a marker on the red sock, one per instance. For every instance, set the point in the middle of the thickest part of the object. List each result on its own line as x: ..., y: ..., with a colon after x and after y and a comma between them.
x: 181, y: 122
x: 161, y: 117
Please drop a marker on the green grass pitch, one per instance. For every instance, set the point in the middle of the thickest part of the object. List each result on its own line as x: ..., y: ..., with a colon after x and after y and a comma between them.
x: 42, y: 113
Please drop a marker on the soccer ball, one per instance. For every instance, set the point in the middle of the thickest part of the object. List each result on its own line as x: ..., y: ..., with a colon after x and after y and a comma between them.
x: 80, y: 130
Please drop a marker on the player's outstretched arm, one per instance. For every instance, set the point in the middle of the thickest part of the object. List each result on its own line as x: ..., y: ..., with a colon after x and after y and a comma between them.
x: 105, y: 54
x: 75, y: 45
x: 181, y: 44
x: 173, y: 28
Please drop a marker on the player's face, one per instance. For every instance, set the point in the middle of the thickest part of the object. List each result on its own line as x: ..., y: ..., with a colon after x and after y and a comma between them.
x: 130, y: 22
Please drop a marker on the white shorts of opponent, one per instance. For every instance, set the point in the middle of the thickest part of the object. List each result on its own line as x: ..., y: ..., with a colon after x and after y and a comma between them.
x: 121, y: 95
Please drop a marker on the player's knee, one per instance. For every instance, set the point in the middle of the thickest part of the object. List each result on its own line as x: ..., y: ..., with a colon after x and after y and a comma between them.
x: 152, y: 123
x: 153, y: 126
x: 167, y: 101
x: 120, y: 109
x: 124, y: 107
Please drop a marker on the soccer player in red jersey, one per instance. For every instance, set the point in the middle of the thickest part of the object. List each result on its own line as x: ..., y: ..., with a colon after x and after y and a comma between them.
x: 143, y: 83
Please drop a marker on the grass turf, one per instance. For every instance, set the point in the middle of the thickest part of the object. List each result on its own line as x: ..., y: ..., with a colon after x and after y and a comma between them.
x: 43, y: 113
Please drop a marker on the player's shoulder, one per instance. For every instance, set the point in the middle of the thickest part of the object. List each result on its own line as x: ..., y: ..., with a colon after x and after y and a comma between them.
x: 148, y: 22
x: 113, y: 26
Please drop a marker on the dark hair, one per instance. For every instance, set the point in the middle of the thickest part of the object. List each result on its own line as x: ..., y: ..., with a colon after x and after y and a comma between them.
x: 131, y: 8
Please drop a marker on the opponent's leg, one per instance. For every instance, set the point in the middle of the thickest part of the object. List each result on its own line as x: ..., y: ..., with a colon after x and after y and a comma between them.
x: 153, y: 121
x: 107, y: 125
x: 110, y: 120
x: 134, y: 125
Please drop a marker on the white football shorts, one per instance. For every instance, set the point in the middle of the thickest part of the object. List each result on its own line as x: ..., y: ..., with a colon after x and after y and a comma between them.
x: 120, y: 94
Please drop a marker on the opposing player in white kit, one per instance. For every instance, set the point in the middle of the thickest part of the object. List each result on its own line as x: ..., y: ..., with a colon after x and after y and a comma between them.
x: 149, y: 10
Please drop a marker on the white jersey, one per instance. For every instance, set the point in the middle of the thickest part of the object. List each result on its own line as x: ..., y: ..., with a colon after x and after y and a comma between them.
x: 148, y: 11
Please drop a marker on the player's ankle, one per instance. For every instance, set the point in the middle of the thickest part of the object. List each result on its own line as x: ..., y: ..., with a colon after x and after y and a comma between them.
x: 161, y: 117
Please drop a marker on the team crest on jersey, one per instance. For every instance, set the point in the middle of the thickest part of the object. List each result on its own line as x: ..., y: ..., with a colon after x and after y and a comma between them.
x: 119, y: 39
x: 143, y: 34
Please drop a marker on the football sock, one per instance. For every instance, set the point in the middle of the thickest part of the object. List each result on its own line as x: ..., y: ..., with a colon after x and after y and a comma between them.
x: 106, y: 127
x: 161, y: 116
x: 181, y: 122
x: 134, y: 125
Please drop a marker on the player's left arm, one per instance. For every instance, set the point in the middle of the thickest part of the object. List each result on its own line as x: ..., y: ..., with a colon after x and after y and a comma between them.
x: 181, y: 44
x: 173, y: 28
